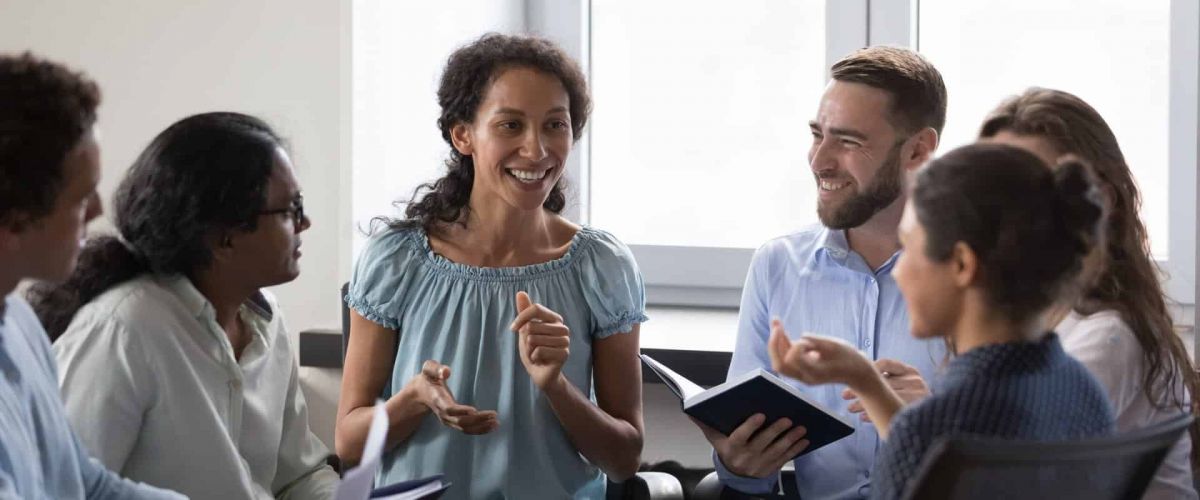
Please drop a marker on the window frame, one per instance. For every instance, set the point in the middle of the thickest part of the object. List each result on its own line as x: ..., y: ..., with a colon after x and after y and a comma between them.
x: 670, y: 272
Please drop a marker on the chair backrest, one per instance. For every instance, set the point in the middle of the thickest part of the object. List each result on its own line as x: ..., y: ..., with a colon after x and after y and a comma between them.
x: 345, y: 318
x: 1118, y: 467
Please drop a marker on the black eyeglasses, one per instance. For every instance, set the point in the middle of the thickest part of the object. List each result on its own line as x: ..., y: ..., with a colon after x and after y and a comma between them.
x: 296, y: 211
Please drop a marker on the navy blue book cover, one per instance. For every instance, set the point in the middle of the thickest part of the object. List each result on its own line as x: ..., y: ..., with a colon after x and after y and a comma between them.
x: 407, y: 486
x: 726, y: 406
x: 727, y: 410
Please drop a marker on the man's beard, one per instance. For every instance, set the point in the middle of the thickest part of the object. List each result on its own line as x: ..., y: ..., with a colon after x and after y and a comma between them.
x: 884, y: 188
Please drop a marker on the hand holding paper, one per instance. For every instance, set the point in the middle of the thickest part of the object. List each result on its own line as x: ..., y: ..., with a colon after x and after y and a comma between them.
x: 356, y: 483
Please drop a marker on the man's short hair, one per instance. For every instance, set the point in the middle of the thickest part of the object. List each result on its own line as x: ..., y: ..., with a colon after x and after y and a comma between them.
x: 918, y: 93
x: 45, y: 109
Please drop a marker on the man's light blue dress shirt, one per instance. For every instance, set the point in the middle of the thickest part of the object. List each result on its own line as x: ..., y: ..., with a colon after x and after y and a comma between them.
x: 814, y: 283
x: 40, y: 457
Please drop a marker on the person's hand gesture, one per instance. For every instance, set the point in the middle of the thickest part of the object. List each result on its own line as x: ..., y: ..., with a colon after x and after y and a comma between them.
x: 905, y: 380
x: 816, y: 360
x: 431, y: 390
x: 543, y: 340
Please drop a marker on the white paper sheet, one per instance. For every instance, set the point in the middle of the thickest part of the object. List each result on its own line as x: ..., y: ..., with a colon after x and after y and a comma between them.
x: 358, y: 482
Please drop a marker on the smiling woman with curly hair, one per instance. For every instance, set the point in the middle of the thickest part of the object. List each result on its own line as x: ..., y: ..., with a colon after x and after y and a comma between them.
x: 503, y: 336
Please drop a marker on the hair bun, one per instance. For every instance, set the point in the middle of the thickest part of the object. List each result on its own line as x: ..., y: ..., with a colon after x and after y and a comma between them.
x: 1079, y: 204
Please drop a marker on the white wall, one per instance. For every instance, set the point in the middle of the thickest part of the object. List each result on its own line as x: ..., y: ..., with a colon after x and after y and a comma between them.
x: 158, y: 61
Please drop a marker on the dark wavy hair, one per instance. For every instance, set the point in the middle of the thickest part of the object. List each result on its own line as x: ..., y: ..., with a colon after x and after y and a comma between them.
x: 45, y: 111
x: 204, y: 176
x: 1009, y: 207
x: 1127, y: 279
x: 469, y: 74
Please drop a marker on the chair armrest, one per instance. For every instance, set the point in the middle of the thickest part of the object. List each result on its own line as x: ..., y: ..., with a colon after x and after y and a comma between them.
x: 647, y: 486
x: 710, y: 488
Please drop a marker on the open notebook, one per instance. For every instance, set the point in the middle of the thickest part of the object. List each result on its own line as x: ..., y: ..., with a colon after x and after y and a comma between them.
x: 726, y: 406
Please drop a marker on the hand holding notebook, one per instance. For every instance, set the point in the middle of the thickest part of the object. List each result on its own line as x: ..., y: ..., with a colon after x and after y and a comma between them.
x: 727, y: 406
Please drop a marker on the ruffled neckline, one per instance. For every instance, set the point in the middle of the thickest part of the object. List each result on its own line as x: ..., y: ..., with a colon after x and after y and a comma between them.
x: 579, y: 242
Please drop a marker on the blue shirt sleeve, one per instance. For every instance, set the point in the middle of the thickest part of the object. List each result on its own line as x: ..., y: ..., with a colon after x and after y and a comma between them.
x: 8, y: 488
x: 750, y: 352
x: 381, y: 275
x: 612, y: 286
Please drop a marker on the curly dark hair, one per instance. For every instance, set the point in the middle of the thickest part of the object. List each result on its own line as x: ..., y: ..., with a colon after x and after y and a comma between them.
x: 1008, y: 206
x: 1127, y: 281
x: 46, y: 110
x: 204, y: 175
x: 469, y: 73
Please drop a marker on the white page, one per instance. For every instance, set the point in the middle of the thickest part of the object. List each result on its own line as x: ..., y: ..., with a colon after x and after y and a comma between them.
x: 357, y: 482
x: 687, y: 387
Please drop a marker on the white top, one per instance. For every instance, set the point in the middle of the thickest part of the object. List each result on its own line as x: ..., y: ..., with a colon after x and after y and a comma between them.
x: 1106, y: 345
x: 152, y: 386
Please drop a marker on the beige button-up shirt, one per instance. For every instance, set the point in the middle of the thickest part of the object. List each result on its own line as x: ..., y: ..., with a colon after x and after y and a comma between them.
x: 152, y: 387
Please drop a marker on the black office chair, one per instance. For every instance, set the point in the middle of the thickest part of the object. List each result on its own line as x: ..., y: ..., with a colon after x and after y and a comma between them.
x: 643, y: 486
x: 1116, y: 468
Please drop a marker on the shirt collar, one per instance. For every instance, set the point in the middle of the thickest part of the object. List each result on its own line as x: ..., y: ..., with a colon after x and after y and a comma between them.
x: 834, y: 244
x: 256, y: 310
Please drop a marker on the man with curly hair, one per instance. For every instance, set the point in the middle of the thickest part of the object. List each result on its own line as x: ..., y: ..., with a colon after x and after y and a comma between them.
x: 49, y: 169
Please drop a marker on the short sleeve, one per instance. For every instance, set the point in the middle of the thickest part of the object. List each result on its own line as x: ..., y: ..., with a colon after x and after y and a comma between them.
x: 383, y: 272
x: 612, y: 286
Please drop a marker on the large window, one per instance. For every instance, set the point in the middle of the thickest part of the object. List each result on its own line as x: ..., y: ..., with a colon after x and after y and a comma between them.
x: 1114, y: 54
x: 697, y: 149
x: 699, y: 136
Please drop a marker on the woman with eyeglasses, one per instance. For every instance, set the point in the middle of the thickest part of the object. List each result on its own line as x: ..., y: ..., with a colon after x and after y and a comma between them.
x: 174, y: 364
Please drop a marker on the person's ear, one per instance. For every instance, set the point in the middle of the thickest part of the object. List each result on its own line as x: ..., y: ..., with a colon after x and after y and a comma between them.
x: 221, y: 243
x: 966, y: 265
x: 462, y: 137
x: 921, y: 148
x: 10, y: 239
x: 11, y: 231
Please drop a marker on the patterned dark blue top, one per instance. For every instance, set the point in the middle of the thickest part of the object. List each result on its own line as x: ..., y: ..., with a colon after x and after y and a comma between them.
x: 1020, y: 390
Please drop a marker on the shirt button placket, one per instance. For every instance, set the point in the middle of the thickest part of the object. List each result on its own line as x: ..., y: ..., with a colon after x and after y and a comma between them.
x: 873, y: 313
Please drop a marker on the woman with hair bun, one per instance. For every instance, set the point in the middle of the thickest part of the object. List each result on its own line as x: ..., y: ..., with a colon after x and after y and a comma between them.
x: 1118, y: 324
x: 992, y: 238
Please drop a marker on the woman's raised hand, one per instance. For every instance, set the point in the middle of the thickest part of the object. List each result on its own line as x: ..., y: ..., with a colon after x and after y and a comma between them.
x: 817, y: 360
x: 543, y: 340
